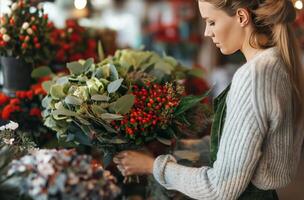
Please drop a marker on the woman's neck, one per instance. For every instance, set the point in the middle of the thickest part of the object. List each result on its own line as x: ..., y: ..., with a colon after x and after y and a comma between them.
x: 247, y: 49
x: 249, y: 52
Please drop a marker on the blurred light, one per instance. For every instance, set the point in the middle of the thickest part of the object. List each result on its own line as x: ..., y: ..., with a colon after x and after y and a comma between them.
x: 99, y: 4
x: 298, y: 4
x: 80, y: 4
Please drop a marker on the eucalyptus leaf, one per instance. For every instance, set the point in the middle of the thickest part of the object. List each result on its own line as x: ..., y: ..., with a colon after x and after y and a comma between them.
x: 73, y: 100
x: 164, y: 141
x: 46, y: 85
x: 109, y: 116
x: 75, y: 68
x: 46, y: 101
x: 114, y: 86
x: 56, y: 92
x: 83, y: 121
x: 98, y: 97
x: 98, y: 110
x: 62, y: 80
x: 164, y: 67
x: 41, y: 72
x: 114, y: 74
x: 87, y: 65
x: 124, y: 104
x: 64, y: 112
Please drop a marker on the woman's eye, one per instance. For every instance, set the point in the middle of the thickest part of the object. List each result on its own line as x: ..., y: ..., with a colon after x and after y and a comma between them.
x: 211, y: 23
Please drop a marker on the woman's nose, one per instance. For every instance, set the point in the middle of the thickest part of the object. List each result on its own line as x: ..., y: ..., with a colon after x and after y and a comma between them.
x: 208, y: 32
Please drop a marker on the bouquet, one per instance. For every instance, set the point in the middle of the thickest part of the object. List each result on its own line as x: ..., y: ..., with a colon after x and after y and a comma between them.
x: 24, y: 33
x: 63, y: 174
x: 73, y: 43
x: 123, y: 102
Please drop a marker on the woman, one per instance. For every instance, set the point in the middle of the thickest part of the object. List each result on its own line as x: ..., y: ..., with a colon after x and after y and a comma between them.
x: 255, y: 139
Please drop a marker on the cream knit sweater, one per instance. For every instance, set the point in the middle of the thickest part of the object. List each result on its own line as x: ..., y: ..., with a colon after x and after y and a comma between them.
x: 258, y: 143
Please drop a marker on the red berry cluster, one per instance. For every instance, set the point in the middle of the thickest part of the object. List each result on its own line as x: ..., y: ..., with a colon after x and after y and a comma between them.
x: 25, y: 105
x: 73, y: 43
x: 152, y: 109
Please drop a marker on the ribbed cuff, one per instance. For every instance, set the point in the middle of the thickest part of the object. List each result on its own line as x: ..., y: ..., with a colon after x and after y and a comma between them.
x: 159, y: 167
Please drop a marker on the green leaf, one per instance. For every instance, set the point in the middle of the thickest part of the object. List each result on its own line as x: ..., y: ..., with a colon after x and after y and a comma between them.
x: 172, y: 61
x: 81, y: 135
x: 64, y: 112
x: 83, y: 121
x: 196, y: 72
x: 97, y: 110
x: 164, y: 141
x: 46, y: 85
x: 101, y: 54
x: 114, y: 86
x: 188, y: 102
x: 56, y: 92
x: 98, y: 97
x: 62, y: 80
x: 89, y: 62
x: 164, y: 67
x: 75, y: 68
x: 114, y: 73
x: 109, y: 116
x: 118, y: 141
x: 73, y: 100
x: 124, y: 104
x: 46, y: 101
x: 41, y: 72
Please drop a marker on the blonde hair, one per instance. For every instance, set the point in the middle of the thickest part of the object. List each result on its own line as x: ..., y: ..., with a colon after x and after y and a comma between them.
x: 272, y: 27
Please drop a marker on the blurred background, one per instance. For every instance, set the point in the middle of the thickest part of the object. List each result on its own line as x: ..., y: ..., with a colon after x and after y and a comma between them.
x: 171, y: 27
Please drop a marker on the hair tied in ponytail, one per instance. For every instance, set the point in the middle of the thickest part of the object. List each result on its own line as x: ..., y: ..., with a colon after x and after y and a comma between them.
x: 291, y: 12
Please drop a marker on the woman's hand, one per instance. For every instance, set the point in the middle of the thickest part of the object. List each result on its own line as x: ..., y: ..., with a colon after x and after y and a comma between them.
x: 134, y: 163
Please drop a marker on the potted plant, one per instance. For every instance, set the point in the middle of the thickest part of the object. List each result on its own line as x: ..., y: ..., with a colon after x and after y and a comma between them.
x: 24, y: 43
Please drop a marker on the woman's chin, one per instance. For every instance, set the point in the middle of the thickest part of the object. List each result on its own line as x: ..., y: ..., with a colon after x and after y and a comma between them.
x: 226, y: 51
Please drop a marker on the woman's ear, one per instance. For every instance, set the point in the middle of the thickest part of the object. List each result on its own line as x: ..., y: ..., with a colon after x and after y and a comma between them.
x: 243, y: 16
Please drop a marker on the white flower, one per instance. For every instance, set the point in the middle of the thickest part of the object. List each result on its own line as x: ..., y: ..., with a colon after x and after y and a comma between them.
x: 3, y: 30
x: 2, y: 128
x: 6, y: 38
x: 45, y: 169
x: 40, y: 6
x: 9, y: 141
x: 29, y: 31
x: 25, y: 25
x: 12, y: 126
x: 9, y: 13
x: 14, y: 6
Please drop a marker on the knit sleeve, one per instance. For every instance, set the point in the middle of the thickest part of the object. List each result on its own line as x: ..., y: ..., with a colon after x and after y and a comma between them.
x: 237, y: 157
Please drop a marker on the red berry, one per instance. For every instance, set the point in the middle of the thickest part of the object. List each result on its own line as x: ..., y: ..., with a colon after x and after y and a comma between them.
x: 21, y: 37
x: 2, y: 43
x: 24, y: 45
x: 38, y: 46
x: 21, y: 4
x: 132, y: 121
x: 34, y: 27
x: 12, y: 21
x: 35, y: 39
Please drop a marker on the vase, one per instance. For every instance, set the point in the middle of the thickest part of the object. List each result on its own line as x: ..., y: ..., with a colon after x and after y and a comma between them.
x: 16, y: 75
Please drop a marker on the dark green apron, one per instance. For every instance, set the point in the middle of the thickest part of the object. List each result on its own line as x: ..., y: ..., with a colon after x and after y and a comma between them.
x: 219, y: 106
